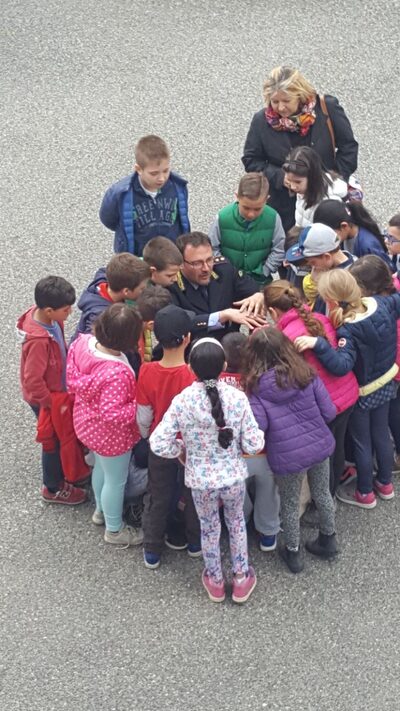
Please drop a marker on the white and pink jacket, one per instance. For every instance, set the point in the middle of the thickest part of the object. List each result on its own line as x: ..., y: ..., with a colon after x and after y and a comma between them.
x: 105, y: 398
x: 342, y: 389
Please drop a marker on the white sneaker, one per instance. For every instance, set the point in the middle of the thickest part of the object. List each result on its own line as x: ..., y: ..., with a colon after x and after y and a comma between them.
x: 127, y: 536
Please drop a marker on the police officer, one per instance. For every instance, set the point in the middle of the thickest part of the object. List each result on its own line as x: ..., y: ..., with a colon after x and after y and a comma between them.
x: 211, y: 286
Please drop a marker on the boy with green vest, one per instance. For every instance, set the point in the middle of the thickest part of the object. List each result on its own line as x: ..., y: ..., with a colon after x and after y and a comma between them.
x: 250, y: 233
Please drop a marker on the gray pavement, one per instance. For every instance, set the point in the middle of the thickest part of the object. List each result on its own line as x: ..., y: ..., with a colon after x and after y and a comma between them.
x: 84, y: 627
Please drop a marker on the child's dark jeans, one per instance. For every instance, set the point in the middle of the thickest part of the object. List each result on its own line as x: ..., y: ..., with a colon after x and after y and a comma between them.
x: 162, y: 484
x: 53, y: 475
x: 370, y: 433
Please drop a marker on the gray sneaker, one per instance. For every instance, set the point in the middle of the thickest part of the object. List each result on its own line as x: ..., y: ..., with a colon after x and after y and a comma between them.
x: 126, y: 537
x: 98, y: 518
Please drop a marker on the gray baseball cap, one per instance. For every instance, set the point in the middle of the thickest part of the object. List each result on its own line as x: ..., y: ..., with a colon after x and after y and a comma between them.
x: 313, y: 241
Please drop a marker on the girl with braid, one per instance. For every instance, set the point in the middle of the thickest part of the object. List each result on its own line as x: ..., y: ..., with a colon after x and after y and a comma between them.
x: 294, y: 318
x: 217, y: 426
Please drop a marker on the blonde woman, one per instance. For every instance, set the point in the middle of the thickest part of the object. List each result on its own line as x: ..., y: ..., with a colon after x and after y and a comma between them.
x: 367, y: 344
x: 295, y: 115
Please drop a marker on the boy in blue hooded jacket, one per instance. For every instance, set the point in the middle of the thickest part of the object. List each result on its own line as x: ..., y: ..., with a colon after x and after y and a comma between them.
x: 150, y: 202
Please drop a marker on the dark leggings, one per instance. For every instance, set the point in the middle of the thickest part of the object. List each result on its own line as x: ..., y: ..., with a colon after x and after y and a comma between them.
x: 338, y: 428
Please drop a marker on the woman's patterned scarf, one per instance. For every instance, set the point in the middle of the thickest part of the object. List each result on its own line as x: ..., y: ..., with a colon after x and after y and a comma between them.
x: 299, y: 123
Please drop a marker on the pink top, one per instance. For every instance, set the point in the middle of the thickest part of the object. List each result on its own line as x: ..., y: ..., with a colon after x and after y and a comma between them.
x: 343, y: 389
x: 105, y: 398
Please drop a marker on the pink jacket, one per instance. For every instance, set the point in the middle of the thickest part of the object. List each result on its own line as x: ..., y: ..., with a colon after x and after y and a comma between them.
x: 343, y: 389
x: 105, y: 402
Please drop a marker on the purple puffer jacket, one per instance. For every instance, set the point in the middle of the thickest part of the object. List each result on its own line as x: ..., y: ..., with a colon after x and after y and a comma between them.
x: 294, y: 422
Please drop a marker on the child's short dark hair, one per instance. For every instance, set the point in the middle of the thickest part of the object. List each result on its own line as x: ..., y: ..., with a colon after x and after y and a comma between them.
x: 232, y: 344
x: 151, y: 300
x: 292, y: 237
x: 54, y: 292
x: 253, y: 186
x: 125, y: 271
x: 395, y: 220
x: 151, y: 149
x: 118, y: 327
x: 161, y: 252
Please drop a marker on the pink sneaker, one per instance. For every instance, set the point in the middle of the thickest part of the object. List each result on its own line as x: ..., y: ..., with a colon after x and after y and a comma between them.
x: 242, y: 590
x: 346, y: 495
x: 384, y: 491
x: 349, y: 474
x: 216, y: 591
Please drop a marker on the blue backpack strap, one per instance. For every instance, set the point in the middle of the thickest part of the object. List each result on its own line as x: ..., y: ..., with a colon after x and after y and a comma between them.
x: 127, y: 218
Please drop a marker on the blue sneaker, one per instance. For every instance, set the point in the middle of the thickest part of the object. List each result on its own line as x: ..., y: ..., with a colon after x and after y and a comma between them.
x: 267, y: 543
x: 194, y: 551
x: 151, y: 560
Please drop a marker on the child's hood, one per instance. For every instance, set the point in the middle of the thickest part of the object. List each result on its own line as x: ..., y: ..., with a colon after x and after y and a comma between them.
x: 86, y: 374
x: 269, y: 390
x: 27, y: 329
x: 91, y: 294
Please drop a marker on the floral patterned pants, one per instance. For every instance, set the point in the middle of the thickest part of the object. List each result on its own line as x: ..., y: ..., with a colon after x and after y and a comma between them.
x: 207, y: 503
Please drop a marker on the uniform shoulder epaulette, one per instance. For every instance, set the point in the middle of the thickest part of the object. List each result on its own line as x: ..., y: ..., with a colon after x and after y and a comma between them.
x: 179, y: 281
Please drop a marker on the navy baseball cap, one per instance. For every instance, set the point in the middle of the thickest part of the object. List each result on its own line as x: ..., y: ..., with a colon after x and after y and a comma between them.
x: 171, y: 325
x: 313, y: 241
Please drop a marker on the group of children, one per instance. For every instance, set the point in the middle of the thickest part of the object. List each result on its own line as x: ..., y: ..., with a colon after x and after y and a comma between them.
x: 172, y: 430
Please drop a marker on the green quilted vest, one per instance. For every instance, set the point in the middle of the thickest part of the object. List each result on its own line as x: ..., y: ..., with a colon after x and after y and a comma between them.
x: 247, y: 244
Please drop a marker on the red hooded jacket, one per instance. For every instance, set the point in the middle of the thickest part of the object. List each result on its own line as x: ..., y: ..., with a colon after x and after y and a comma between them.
x: 41, y: 361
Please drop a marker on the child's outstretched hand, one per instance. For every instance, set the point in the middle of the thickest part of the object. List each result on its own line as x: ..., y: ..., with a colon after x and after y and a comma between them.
x: 303, y: 343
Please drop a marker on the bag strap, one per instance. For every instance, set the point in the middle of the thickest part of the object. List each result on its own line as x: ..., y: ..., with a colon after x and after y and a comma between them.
x: 328, y: 121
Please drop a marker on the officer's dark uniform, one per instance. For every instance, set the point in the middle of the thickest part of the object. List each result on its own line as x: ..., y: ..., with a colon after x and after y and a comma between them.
x: 226, y: 285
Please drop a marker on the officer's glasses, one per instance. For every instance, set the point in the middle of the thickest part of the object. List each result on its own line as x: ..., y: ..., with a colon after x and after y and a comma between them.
x: 199, y: 263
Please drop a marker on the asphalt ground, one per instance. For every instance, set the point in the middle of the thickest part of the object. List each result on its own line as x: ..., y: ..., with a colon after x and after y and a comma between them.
x: 84, y: 626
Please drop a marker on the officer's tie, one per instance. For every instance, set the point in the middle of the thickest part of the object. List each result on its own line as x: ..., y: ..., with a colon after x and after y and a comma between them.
x: 204, y: 292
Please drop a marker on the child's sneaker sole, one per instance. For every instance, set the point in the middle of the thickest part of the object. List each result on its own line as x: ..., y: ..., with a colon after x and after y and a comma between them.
x: 267, y: 549
x: 382, y: 495
x: 212, y: 597
x: 243, y: 598
x: 98, y: 518
x: 349, y: 497
x: 151, y: 566
x: 195, y: 553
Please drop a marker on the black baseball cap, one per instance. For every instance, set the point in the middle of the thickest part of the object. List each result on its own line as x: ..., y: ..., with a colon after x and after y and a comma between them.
x: 171, y: 325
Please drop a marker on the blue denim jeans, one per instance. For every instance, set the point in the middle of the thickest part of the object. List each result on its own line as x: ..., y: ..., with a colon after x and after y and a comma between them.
x: 53, y: 475
x: 369, y: 430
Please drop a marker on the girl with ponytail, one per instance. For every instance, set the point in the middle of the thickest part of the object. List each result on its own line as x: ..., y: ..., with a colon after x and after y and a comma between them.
x: 367, y: 343
x: 217, y: 426
x: 294, y: 318
x: 355, y: 227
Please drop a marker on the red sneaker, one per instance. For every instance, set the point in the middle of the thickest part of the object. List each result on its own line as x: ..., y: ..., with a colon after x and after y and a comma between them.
x: 68, y: 495
x: 384, y: 491
x: 243, y: 589
x: 216, y: 591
